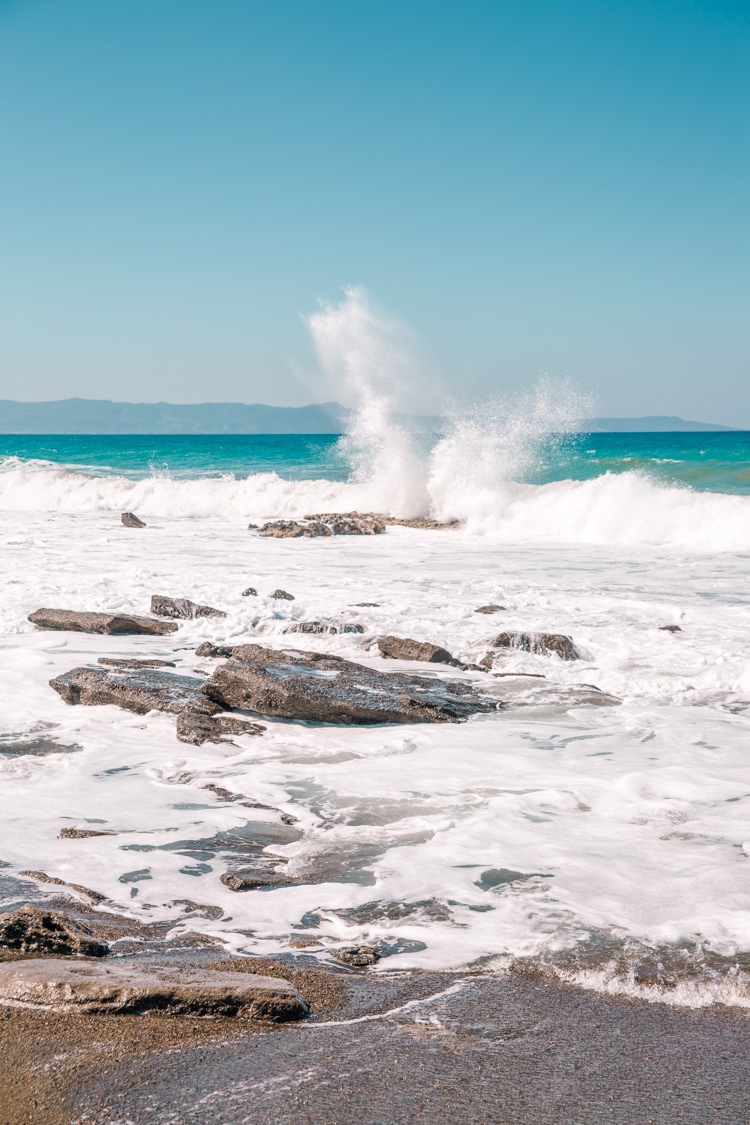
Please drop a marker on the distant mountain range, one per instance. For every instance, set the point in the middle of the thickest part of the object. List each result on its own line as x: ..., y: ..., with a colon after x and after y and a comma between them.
x: 100, y: 416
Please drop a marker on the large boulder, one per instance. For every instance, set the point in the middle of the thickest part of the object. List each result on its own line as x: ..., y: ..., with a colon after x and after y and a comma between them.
x: 544, y: 644
x: 120, y: 624
x: 293, y: 684
x: 90, y: 987
x: 403, y: 648
x: 139, y: 689
x: 32, y: 930
x: 182, y: 607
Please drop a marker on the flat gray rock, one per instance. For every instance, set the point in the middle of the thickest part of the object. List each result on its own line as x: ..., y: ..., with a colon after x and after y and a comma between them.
x: 544, y: 644
x: 121, y: 624
x: 89, y: 986
x: 182, y: 607
x: 140, y: 690
x: 293, y: 684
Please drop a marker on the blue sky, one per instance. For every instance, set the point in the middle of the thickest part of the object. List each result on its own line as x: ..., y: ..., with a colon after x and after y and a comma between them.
x: 553, y: 186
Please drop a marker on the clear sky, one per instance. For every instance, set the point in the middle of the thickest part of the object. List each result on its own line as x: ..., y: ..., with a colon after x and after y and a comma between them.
x: 554, y: 186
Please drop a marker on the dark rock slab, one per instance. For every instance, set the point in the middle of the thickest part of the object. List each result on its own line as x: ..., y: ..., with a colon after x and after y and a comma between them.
x: 33, y: 930
x: 670, y: 629
x: 322, y: 627
x: 293, y: 684
x: 403, y: 648
x: 120, y: 624
x: 140, y: 690
x: 545, y: 644
x: 130, y: 520
x: 182, y: 607
x: 490, y: 609
x: 122, y: 662
x: 196, y: 728
x: 282, y: 595
x: 250, y: 592
x: 247, y: 879
x: 114, y: 987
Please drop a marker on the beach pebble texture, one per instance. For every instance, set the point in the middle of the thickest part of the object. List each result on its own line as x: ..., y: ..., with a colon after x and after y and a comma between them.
x: 89, y: 986
x: 120, y: 624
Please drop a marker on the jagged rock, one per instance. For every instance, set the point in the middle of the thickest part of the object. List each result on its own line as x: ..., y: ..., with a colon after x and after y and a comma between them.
x: 209, y: 649
x: 290, y: 684
x: 130, y: 520
x: 292, y: 529
x: 322, y: 627
x: 402, y: 648
x: 282, y: 595
x: 388, y: 521
x: 197, y: 729
x: 32, y: 930
x: 43, y: 877
x: 81, y: 833
x: 252, y: 527
x: 139, y: 690
x: 250, y: 592
x: 120, y: 624
x: 541, y: 643
x: 322, y: 526
x: 182, y: 607
x: 246, y: 879
x: 490, y: 609
x: 90, y: 987
x: 670, y: 629
x: 358, y: 956
x: 122, y: 662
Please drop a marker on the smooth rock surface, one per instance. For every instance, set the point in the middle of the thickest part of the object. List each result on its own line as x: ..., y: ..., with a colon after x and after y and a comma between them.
x: 196, y: 728
x: 131, y: 520
x: 89, y: 986
x: 403, y: 648
x: 139, y: 690
x: 121, y: 624
x: 540, y: 643
x: 182, y: 607
x: 294, y: 684
x: 33, y: 930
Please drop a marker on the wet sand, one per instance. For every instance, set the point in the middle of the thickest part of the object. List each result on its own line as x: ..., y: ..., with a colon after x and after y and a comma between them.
x: 473, y: 1048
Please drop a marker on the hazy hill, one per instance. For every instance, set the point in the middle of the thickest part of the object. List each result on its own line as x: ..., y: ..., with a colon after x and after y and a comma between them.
x: 100, y: 416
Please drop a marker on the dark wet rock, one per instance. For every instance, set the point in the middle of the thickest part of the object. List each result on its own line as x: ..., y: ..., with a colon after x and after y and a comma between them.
x: 247, y: 879
x: 358, y: 956
x: 293, y: 529
x: 322, y: 627
x: 182, y: 607
x: 120, y: 624
x: 250, y: 592
x: 33, y: 930
x: 670, y: 629
x: 366, y: 605
x: 120, y: 988
x: 81, y: 833
x: 122, y: 662
x: 490, y: 609
x: 130, y: 520
x: 282, y: 595
x: 294, y: 684
x: 197, y: 729
x: 140, y: 690
x: 403, y: 648
x: 544, y: 644
x: 209, y: 649
x: 42, y: 877
x: 252, y: 527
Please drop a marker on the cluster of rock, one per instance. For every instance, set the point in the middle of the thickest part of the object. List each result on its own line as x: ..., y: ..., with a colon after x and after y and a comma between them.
x: 541, y: 644
x: 317, y: 527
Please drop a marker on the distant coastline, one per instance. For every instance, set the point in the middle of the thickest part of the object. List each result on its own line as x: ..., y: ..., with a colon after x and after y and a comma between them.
x: 101, y: 416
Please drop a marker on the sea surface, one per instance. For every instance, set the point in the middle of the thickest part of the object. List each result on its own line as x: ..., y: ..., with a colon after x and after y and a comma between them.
x: 596, y: 827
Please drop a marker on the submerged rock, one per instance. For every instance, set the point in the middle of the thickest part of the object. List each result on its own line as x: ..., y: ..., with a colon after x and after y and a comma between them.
x: 403, y: 648
x: 139, y: 690
x: 197, y: 729
x: 490, y: 609
x: 544, y: 644
x: 322, y: 627
x: 122, y: 662
x: 250, y: 592
x: 120, y: 624
x: 32, y: 930
x: 182, y: 607
x: 131, y: 520
x: 381, y: 522
x: 246, y: 879
x: 358, y: 956
x: 293, y: 684
x: 90, y: 987
x: 282, y: 595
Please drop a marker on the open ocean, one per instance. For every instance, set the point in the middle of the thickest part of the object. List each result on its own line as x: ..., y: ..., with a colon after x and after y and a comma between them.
x: 607, y: 841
